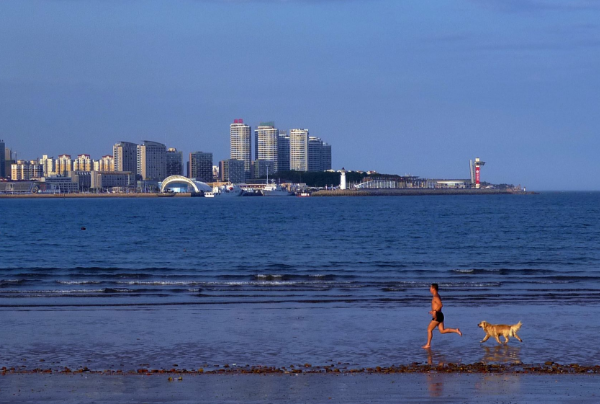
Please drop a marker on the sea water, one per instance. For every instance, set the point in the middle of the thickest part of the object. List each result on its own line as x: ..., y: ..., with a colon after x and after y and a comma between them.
x: 194, y: 282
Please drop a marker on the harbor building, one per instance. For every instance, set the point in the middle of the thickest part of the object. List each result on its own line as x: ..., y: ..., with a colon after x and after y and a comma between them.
x: 174, y: 162
x: 201, y: 166
x: 19, y: 187
x: 125, y: 156
x: 299, y: 149
x: 83, y: 179
x: 106, y: 163
x: 152, y: 161
x: 232, y: 170
x: 58, y: 184
x: 2, y: 159
x: 266, y: 142
x: 283, y: 152
x: 240, y: 139
x: 112, y: 180
x: 63, y: 165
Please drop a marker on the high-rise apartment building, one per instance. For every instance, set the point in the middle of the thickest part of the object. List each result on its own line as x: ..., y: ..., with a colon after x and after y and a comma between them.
x: 2, y: 159
x: 174, y: 162
x: 240, y: 138
x: 319, y: 155
x: 125, y: 156
x: 83, y: 162
x: 283, y: 152
x: 267, y: 140
x: 232, y: 171
x: 47, y: 165
x: 105, y: 164
x: 152, y: 161
x: 26, y: 170
x: 299, y: 149
x: 63, y: 165
x: 201, y: 166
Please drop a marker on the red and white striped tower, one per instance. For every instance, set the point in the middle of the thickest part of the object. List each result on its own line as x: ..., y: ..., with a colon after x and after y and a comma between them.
x: 478, y: 164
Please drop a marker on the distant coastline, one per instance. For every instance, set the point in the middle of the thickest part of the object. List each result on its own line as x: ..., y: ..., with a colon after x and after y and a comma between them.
x: 83, y: 195
x: 321, y: 193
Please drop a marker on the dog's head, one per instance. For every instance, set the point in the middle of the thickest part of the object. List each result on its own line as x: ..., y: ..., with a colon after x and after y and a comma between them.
x: 483, y: 324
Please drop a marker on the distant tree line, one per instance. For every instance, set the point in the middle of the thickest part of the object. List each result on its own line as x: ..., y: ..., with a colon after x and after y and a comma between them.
x: 498, y: 186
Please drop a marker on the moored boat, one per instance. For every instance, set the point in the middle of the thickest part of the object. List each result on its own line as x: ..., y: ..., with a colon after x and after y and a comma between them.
x: 276, y: 190
x: 227, y: 191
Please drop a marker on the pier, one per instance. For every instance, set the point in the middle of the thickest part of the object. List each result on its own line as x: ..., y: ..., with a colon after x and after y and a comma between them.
x: 418, y: 192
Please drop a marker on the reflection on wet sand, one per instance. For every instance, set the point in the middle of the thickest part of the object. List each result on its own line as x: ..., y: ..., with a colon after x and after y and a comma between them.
x: 435, y: 358
x: 495, y: 385
x: 435, y: 385
x: 503, y: 354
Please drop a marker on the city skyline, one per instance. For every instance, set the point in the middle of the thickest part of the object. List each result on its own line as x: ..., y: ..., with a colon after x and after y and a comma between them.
x: 151, y: 162
x: 129, y: 148
x: 399, y: 87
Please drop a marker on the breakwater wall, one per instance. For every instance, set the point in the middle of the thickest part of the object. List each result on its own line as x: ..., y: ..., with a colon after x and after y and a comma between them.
x: 417, y: 192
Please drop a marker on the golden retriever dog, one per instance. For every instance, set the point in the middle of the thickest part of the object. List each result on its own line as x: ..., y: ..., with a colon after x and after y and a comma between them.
x: 496, y: 330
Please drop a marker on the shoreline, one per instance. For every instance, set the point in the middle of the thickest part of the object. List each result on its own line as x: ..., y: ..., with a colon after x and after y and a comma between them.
x: 548, y: 368
x: 76, y: 196
x: 322, y: 193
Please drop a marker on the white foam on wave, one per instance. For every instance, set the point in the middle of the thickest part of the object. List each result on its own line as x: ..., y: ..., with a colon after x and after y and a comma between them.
x: 159, y: 283
x: 53, y: 291
x: 473, y: 270
x: 78, y: 282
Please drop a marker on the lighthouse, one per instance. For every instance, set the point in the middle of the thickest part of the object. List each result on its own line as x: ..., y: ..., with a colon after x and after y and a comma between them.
x: 343, y: 179
x: 476, y: 172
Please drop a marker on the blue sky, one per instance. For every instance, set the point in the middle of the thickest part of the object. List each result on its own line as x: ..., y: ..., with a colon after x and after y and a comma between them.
x: 407, y: 87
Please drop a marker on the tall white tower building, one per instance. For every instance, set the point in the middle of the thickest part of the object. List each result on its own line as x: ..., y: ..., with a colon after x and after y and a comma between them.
x: 267, y: 137
x: 240, y: 138
x: 299, y: 149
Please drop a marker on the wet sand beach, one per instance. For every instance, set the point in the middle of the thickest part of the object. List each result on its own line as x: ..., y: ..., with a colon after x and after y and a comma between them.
x: 416, y: 388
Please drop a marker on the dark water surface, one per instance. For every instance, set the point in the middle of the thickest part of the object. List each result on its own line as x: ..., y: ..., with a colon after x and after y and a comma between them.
x: 275, y: 280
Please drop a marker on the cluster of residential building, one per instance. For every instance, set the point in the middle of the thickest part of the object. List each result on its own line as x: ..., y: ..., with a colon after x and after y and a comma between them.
x: 275, y: 150
x: 143, y: 166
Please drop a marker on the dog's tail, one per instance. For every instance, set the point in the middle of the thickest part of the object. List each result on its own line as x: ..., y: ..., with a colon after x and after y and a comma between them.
x: 517, y: 326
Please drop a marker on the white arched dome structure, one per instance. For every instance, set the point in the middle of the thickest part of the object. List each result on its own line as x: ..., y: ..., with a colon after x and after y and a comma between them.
x: 198, y: 186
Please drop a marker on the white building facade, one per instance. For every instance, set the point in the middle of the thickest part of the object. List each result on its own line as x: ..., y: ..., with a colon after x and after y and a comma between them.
x: 267, y: 139
x: 299, y: 149
x: 240, y: 138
